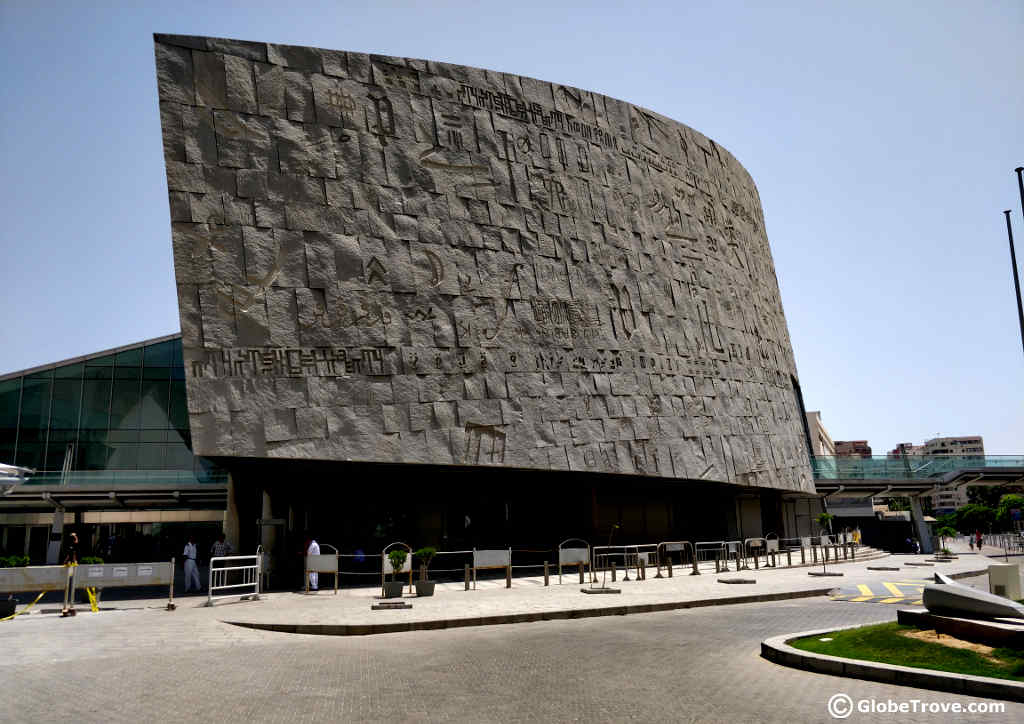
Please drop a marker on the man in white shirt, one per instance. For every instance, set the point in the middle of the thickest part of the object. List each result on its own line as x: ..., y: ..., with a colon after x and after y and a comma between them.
x: 191, y: 570
x: 312, y: 549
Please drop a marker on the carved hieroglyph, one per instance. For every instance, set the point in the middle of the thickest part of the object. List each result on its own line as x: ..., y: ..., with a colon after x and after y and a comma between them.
x: 389, y: 259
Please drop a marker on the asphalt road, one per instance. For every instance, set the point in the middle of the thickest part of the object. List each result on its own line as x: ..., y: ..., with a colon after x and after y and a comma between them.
x: 692, y: 665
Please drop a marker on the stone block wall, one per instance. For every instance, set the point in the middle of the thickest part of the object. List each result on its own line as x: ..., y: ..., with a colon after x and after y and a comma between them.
x: 389, y: 259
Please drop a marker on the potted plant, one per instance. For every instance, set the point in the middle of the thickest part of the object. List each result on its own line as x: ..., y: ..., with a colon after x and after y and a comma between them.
x: 425, y: 587
x: 393, y: 588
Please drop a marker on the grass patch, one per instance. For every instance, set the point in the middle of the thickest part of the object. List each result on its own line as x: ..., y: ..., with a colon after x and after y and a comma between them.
x: 886, y: 644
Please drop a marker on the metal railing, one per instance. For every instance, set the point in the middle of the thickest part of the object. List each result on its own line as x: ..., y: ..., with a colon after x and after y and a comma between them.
x: 240, y: 572
x: 909, y: 467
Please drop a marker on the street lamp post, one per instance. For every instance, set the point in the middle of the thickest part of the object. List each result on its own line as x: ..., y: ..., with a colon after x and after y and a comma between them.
x: 1016, y: 278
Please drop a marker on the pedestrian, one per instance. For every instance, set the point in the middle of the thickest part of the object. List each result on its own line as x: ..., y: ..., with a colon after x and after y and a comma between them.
x: 312, y: 549
x: 191, y: 567
x: 977, y: 539
x: 71, y: 551
x: 970, y: 542
x: 221, y: 548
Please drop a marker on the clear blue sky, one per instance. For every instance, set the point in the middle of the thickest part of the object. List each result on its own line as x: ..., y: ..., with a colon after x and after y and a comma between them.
x: 881, y: 135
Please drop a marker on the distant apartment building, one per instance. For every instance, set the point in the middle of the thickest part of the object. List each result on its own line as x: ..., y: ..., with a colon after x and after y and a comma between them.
x: 969, y: 445
x: 852, y: 448
x: 821, y: 441
x: 906, y: 448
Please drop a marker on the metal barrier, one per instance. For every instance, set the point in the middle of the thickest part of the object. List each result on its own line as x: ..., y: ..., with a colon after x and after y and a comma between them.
x: 125, y: 575
x: 499, y: 558
x: 577, y: 556
x: 322, y: 563
x: 670, y: 547
x: 248, y: 570
x: 753, y: 547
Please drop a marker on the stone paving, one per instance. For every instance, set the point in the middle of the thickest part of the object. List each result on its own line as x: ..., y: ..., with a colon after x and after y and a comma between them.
x: 698, y: 665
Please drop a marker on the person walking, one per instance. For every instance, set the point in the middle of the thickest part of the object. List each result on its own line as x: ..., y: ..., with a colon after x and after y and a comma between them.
x: 221, y: 548
x: 312, y: 549
x: 191, y: 567
x: 977, y: 539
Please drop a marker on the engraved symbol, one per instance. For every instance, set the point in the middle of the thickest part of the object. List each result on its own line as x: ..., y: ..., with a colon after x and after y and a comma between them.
x: 375, y: 271
x: 436, y: 268
x: 453, y: 126
x: 419, y: 315
x: 385, y: 115
x: 575, y: 96
x: 484, y: 444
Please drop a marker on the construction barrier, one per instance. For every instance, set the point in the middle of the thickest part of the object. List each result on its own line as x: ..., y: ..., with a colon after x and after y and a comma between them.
x: 97, y: 576
x: 234, y: 572
x: 573, y: 556
x: 500, y: 558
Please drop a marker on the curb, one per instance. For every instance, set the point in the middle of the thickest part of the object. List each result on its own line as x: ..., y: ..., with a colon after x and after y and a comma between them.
x: 778, y: 650
x: 398, y: 627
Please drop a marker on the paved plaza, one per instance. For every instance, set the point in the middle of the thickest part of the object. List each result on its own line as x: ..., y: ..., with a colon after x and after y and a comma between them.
x: 698, y: 664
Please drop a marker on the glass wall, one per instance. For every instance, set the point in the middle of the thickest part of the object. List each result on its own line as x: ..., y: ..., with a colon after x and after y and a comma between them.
x: 120, y: 412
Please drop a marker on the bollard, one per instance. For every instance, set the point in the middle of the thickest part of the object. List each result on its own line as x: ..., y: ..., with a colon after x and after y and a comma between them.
x: 814, y: 553
x: 614, y: 569
x: 670, y: 567
x: 642, y: 570
x: 846, y: 551
x: 835, y: 552
x: 467, y: 576
x: 789, y: 558
x: 803, y: 556
x: 756, y: 566
x: 508, y: 576
x: 581, y: 573
x: 547, y: 578
x: 853, y: 552
x: 694, y: 572
x: 718, y: 566
x: 625, y: 570
x: 658, y: 562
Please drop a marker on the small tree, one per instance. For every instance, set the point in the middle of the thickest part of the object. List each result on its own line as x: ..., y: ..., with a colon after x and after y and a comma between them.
x: 425, y: 554
x: 825, y: 521
x: 397, y: 557
x: 943, y: 533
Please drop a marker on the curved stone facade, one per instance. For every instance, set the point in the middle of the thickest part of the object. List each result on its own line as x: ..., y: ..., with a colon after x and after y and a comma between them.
x: 387, y: 259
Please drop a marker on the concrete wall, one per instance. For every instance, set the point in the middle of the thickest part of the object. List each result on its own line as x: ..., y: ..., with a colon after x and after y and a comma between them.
x: 388, y: 259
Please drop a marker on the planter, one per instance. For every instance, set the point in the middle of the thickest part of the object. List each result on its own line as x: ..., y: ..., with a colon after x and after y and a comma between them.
x: 425, y: 588
x: 393, y: 589
x: 7, y: 607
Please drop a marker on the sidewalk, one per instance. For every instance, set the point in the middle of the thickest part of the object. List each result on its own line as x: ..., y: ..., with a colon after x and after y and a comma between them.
x: 349, y: 612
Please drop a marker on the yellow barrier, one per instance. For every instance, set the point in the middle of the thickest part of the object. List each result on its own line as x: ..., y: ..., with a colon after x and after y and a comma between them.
x: 18, y: 613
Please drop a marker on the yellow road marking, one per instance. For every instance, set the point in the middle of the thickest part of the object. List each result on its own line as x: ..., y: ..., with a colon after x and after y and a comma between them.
x: 898, y: 599
x: 864, y: 590
x: 894, y: 590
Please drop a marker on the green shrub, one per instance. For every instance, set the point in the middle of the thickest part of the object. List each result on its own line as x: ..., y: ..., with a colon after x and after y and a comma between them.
x: 397, y: 557
x: 426, y: 554
x: 14, y: 561
x: 91, y: 561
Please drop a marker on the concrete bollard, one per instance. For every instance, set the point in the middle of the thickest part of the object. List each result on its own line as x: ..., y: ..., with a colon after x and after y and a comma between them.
x: 508, y: 576
x: 641, y: 571
x: 467, y: 576
x: 669, y: 567
x: 789, y: 558
x: 615, y: 569
x: 581, y: 573
x: 814, y: 554
x: 803, y: 555
x: 756, y: 565
x: 547, y: 576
